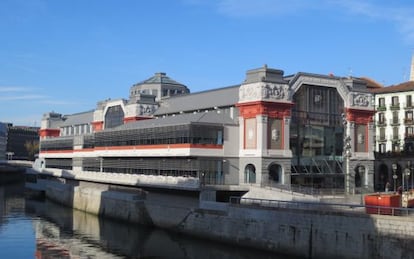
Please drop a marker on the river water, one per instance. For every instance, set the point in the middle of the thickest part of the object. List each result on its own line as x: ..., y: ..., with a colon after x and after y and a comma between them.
x: 42, y: 229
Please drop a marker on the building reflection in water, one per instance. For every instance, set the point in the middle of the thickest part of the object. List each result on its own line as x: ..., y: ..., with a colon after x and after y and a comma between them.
x: 65, y: 233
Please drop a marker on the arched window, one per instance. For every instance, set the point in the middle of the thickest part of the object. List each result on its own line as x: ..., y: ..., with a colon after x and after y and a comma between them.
x: 275, y: 172
x: 357, y: 180
x: 250, y: 174
x: 114, y: 117
x: 359, y: 176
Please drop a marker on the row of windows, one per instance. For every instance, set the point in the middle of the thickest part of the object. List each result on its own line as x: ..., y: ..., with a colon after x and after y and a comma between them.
x: 409, y: 132
x: 395, y: 101
x: 395, y: 117
x: 76, y: 130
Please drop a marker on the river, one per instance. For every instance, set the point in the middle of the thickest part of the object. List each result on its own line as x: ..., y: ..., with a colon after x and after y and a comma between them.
x: 42, y: 229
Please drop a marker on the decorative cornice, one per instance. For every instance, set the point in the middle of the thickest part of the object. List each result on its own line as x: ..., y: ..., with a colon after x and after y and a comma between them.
x: 264, y: 91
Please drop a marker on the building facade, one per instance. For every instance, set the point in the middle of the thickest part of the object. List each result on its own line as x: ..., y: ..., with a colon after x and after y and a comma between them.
x: 3, y: 140
x: 394, y: 123
x: 22, y: 142
x: 270, y: 130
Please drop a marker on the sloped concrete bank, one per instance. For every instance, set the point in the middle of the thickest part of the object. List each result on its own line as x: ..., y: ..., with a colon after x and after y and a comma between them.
x: 304, y: 233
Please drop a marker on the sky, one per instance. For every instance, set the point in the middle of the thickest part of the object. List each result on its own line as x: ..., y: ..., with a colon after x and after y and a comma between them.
x: 65, y: 56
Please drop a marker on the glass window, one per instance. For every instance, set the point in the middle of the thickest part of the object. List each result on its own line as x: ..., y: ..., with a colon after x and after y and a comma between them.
x: 395, y: 117
x: 381, y: 118
x: 250, y: 174
x: 382, y: 133
x: 395, y: 133
x: 381, y: 148
x: 114, y: 117
x: 409, y: 115
x: 395, y: 101
x: 409, y: 131
x: 408, y: 101
x: 381, y: 102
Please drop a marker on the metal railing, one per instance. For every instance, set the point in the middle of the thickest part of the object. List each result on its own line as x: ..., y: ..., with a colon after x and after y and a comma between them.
x: 319, y: 206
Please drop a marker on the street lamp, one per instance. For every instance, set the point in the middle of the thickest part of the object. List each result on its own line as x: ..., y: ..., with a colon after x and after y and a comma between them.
x: 412, y: 176
x: 407, y: 172
x: 347, y: 151
x: 347, y: 155
x: 394, y: 176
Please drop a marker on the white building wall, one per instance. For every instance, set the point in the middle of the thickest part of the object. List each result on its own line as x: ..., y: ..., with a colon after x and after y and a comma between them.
x: 388, y: 115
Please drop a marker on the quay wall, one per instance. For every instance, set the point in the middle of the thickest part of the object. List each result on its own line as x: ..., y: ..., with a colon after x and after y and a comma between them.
x: 304, y: 233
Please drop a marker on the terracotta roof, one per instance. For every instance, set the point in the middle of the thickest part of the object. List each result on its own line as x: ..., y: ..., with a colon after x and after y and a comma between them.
x: 371, y: 83
x: 403, y: 87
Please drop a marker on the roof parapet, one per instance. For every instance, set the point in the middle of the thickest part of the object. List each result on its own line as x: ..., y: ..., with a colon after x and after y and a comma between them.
x: 264, y: 74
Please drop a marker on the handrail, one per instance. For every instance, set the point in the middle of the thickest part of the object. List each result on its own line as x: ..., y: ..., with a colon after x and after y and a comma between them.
x: 303, y: 205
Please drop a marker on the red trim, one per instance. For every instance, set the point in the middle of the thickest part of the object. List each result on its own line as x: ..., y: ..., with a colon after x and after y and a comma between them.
x: 97, y: 125
x: 135, y: 118
x: 359, y: 116
x: 140, y: 147
x: 366, y: 138
x: 49, y: 133
x: 271, y: 109
x: 282, y: 135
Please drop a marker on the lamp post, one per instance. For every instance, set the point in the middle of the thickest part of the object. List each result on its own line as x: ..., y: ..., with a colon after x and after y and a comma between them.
x: 412, y: 176
x: 347, y: 156
x: 407, y: 172
x: 394, y: 176
x: 347, y: 152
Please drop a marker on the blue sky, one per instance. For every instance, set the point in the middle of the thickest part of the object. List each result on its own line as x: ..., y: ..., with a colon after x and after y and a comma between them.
x: 65, y: 56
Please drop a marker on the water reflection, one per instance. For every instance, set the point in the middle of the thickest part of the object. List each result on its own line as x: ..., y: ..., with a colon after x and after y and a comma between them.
x: 60, y: 232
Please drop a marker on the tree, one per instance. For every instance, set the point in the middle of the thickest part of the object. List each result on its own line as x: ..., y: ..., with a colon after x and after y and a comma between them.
x: 32, y: 148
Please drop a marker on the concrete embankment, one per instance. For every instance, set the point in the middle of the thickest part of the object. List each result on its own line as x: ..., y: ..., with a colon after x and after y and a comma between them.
x: 10, y: 174
x: 304, y: 233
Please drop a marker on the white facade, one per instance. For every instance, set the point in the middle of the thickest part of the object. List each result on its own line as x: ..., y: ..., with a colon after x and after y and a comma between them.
x: 393, y: 120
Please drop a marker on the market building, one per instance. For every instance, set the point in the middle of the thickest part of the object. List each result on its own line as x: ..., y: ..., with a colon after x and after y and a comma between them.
x: 271, y: 130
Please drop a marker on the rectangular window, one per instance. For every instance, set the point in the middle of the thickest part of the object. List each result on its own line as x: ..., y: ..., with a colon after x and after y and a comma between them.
x: 274, y: 134
x: 381, y: 102
x: 395, y: 147
x: 395, y: 101
x: 395, y: 133
x: 394, y: 117
x: 381, y: 148
x: 409, y: 131
x: 360, y: 130
x: 382, y: 133
x: 381, y: 118
x: 409, y: 115
x: 409, y: 101
x: 250, y: 133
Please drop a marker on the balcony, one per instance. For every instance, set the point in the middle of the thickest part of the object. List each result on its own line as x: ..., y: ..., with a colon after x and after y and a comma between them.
x: 394, y: 122
x: 395, y: 106
x: 395, y: 138
x: 381, y: 138
x: 381, y: 123
x: 381, y: 108
x: 409, y: 106
x: 408, y: 121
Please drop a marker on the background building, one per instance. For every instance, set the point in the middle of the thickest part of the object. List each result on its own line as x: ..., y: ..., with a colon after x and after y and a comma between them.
x: 22, y: 142
x: 394, y: 142
x: 3, y: 140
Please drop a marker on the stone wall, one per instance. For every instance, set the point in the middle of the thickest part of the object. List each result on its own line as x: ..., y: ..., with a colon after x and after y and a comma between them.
x: 304, y: 233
